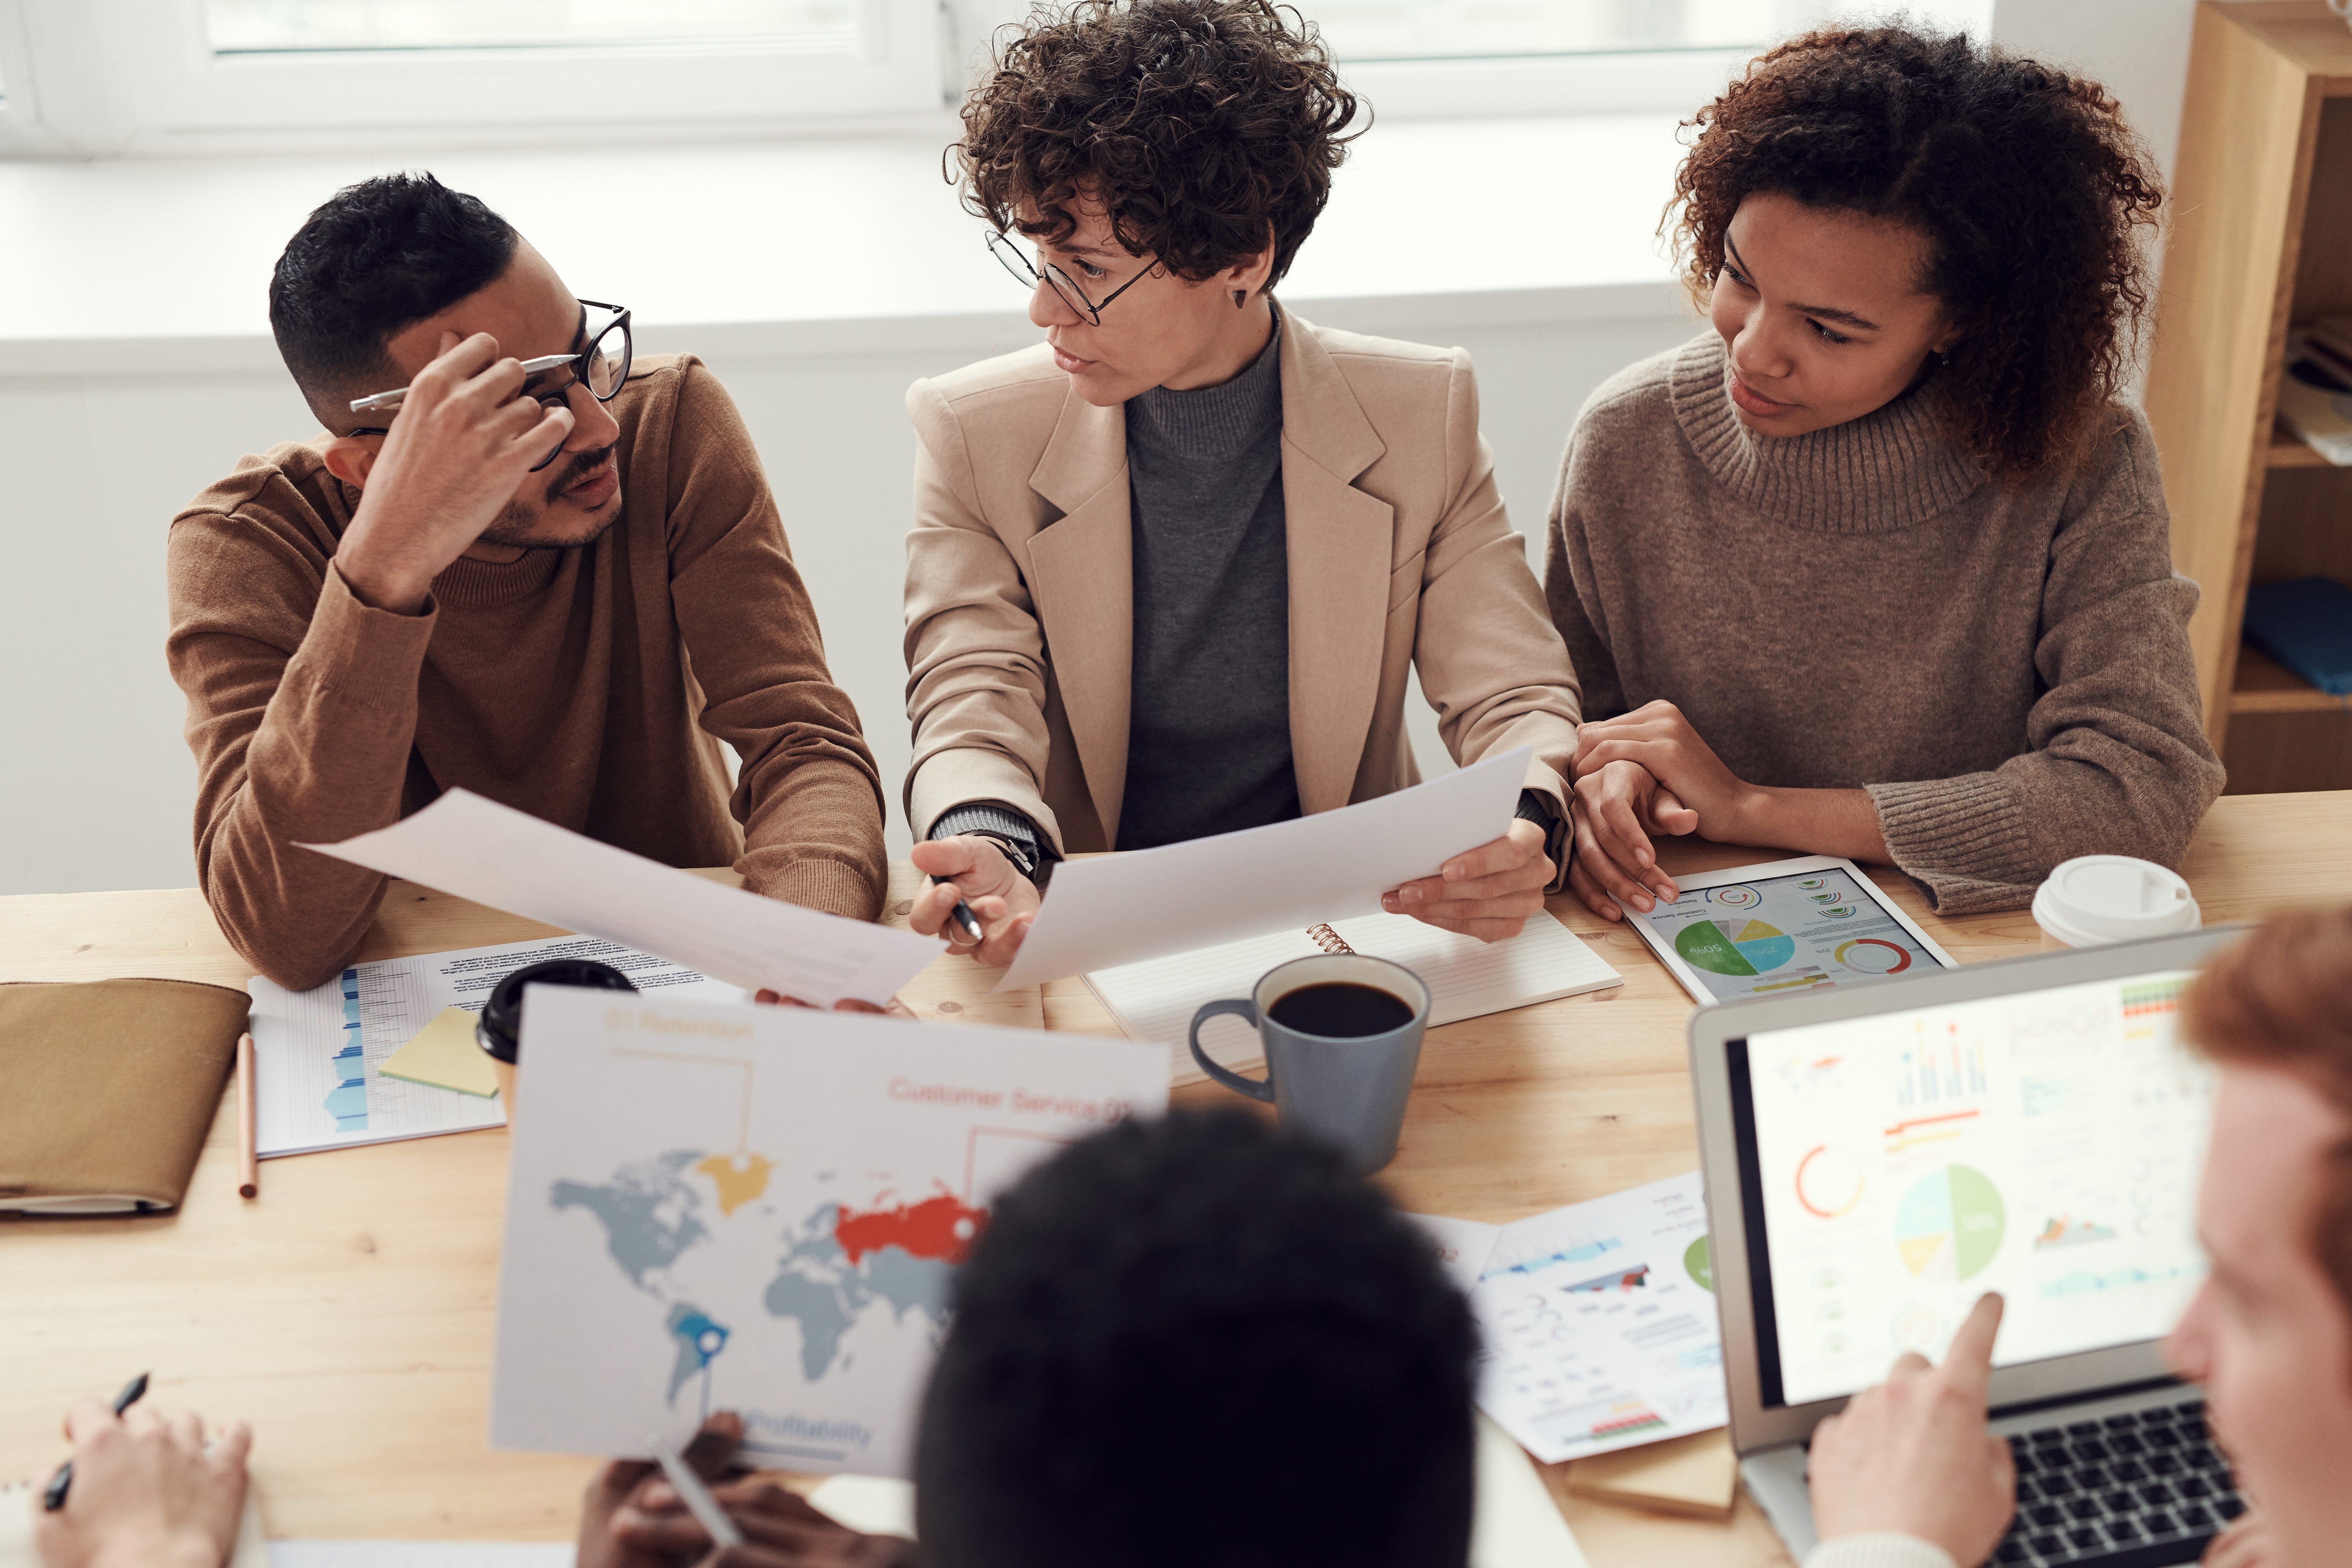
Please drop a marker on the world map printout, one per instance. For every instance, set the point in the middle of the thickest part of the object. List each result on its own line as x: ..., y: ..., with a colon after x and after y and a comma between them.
x: 761, y: 1209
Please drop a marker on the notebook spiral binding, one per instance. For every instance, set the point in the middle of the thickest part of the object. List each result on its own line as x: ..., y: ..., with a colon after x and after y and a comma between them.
x: 1330, y: 940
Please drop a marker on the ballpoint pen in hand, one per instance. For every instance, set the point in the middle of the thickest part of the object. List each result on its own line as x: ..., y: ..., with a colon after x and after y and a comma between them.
x: 54, y: 1498
x: 694, y: 1495
x: 394, y: 398
x: 962, y: 914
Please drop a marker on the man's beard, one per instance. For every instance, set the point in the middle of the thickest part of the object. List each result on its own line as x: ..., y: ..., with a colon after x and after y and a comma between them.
x: 519, y: 527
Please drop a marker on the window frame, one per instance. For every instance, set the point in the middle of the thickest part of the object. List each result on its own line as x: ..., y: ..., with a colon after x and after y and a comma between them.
x: 109, y: 77
x: 105, y: 78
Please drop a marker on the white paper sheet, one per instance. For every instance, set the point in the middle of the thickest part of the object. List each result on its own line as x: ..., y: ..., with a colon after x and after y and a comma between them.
x: 315, y: 1052
x: 1462, y: 1246
x: 510, y: 860
x: 1467, y: 978
x: 422, y: 1555
x: 759, y: 1209
x: 1124, y: 909
x: 1599, y: 1324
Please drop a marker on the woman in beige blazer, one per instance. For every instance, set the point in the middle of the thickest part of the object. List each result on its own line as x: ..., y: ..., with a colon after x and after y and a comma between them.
x: 1171, y: 569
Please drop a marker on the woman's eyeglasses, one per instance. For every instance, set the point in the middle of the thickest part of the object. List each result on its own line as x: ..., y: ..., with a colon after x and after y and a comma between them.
x: 1010, y: 255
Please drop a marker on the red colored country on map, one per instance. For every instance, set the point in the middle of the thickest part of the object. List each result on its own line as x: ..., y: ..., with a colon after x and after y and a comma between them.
x: 936, y: 1227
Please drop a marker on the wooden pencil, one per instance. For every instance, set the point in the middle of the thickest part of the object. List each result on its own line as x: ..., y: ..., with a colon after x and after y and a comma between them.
x: 248, y: 1160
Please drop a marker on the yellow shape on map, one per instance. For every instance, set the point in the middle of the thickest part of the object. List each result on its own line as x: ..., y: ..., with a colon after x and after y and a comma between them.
x: 446, y: 1055
x: 740, y: 1177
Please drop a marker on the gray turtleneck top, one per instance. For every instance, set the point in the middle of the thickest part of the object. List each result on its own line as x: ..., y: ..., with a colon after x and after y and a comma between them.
x: 2004, y: 669
x: 1208, y: 735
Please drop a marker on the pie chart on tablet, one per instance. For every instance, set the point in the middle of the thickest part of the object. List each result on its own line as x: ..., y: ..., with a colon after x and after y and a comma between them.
x: 1873, y: 956
x: 1734, y: 946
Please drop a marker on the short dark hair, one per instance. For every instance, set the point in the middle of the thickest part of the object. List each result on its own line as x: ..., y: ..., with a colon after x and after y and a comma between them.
x: 1198, y: 123
x: 1201, y: 1343
x: 2033, y: 193
x: 372, y: 259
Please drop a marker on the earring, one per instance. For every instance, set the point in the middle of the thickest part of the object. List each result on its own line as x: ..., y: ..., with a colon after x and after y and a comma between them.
x: 1241, y: 298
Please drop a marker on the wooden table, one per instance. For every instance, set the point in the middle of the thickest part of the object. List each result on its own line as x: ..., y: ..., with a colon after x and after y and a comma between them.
x: 347, y: 1312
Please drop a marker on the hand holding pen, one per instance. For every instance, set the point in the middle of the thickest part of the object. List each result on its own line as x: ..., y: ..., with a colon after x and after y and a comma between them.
x: 148, y: 1489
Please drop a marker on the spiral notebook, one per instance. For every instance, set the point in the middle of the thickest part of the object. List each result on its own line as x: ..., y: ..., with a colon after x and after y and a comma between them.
x: 1467, y: 978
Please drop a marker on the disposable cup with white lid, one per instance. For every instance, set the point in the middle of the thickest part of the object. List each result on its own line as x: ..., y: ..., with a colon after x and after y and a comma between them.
x: 2094, y: 900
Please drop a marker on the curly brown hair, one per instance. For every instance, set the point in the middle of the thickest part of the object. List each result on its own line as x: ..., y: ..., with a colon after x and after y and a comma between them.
x: 2034, y: 196
x: 1196, y: 123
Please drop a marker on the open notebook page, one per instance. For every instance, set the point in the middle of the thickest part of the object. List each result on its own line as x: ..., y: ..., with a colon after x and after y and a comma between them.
x: 1467, y: 978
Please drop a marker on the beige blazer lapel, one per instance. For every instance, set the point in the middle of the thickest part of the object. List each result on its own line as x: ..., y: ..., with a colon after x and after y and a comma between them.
x: 1339, y: 543
x: 1082, y: 579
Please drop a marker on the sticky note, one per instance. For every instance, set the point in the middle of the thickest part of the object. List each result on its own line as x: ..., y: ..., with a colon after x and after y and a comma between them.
x: 444, y: 1055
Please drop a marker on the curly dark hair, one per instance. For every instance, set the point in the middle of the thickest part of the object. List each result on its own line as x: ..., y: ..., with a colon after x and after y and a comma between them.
x: 2032, y: 191
x: 1198, y: 1341
x: 1196, y: 123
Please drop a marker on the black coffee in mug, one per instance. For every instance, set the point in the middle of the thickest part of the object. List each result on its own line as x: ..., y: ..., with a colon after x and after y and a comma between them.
x: 1341, y: 1010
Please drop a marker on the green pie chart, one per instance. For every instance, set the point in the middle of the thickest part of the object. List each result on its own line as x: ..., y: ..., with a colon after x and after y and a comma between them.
x: 1950, y: 1223
x: 1698, y: 1262
x: 1734, y: 946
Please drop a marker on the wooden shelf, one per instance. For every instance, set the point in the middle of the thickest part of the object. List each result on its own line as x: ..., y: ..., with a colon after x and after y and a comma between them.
x: 2265, y: 685
x: 2289, y: 450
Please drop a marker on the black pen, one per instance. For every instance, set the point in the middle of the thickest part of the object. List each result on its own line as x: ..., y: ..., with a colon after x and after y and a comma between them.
x: 963, y: 915
x: 54, y: 1498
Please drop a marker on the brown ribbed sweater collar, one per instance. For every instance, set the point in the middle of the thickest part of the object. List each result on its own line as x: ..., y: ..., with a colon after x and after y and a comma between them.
x: 1888, y: 469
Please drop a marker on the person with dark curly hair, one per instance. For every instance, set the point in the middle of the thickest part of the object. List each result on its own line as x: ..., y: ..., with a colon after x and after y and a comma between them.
x: 1877, y: 566
x: 1172, y: 568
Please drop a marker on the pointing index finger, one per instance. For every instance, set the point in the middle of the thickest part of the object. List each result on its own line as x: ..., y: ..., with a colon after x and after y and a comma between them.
x: 1968, y: 1362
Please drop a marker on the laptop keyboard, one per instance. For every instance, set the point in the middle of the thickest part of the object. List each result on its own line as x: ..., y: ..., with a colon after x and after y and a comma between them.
x: 2128, y: 1491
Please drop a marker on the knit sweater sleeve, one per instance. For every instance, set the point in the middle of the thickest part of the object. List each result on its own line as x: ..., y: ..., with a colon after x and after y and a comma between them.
x: 808, y: 794
x: 2116, y: 761
x: 301, y: 712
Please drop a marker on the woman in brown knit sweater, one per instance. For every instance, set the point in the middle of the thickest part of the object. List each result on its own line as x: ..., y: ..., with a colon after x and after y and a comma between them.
x: 1877, y: 564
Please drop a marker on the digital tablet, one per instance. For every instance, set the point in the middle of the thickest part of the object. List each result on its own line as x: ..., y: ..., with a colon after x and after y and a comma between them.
x: 1782, y: 927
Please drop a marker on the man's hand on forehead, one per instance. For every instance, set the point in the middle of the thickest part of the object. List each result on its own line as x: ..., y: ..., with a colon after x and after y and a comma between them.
x: 459, y: 448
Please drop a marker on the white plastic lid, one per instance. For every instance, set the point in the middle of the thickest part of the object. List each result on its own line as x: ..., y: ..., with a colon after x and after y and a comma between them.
x: 2098, y: 898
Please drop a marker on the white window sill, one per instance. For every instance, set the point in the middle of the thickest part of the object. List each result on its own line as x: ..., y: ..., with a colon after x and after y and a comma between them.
x: 821, y: 248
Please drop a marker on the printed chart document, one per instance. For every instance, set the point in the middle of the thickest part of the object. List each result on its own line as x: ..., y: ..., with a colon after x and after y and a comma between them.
x: 1466, y: 979
x: 758, y: 1209
x: 1462, y: 1246
x: 316, y: 1053
x: 512, y: 860
x: 1148, y: 903
x: 1599, y: 1324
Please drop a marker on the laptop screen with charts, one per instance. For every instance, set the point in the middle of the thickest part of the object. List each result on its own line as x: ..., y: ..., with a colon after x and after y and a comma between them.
x: 1877, y: 1160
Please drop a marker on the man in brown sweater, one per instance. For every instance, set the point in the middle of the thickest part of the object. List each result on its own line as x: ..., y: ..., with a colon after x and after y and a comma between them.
x: 560, y: 589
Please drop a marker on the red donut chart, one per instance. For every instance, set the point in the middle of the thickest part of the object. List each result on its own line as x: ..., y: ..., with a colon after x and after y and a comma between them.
x: 1889, y: 958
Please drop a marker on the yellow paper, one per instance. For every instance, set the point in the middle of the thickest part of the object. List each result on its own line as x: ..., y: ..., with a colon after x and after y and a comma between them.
x: 444, y: 1055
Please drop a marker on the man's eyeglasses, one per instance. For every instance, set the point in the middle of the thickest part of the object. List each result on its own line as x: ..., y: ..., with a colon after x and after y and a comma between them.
x: 1010, y: 255
x: 603, y: 367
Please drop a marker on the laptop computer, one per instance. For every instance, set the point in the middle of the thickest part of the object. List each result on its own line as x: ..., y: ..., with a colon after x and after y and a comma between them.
x: 1877, y: 1159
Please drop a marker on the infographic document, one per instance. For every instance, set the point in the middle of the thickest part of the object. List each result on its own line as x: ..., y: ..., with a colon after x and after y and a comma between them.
x: 317, y: 1051
x: 759, y: 1209
x: 1599, y: 1324
x: 1772, y: 936
x: 2046, y: 1146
